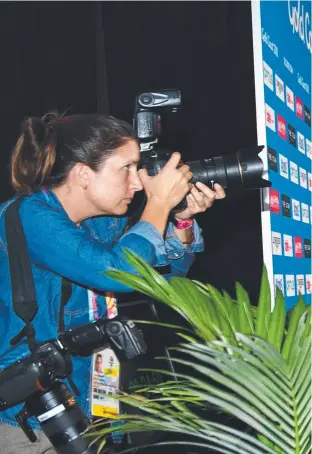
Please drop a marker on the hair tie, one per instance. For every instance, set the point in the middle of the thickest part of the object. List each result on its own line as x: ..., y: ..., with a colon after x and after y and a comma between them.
x: 50, y: 128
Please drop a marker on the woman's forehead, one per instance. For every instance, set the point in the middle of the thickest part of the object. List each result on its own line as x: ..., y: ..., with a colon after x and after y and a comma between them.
x: 130, y: 151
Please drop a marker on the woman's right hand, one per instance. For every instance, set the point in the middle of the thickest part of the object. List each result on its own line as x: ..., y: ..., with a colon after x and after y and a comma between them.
x: 170, y: 185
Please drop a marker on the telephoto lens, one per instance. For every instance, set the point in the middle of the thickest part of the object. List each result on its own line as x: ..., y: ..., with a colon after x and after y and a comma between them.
x: 62, y: 420
x: 240, y: 170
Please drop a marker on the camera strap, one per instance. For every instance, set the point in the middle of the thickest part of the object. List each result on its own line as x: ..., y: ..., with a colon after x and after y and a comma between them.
x: 24, y: 298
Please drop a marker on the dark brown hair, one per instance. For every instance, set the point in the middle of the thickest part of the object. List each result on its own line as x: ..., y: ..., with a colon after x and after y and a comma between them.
x: 50, y: 146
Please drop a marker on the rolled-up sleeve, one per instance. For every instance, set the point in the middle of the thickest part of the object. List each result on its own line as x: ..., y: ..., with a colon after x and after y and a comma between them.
x: 181, y: 258
x: 151, y: 234
x: 174, y: 246
x: 170, y: 251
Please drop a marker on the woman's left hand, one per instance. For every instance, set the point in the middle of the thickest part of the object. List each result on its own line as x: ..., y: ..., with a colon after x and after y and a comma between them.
x: 200, y: 198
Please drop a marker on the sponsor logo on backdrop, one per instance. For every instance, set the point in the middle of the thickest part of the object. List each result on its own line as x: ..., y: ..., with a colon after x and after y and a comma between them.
x: 307, y: 248
x: 309, y: 148
x: 294, y: 174
x: 268, y: 76
x: 309, y: 283
x: 292, y: 135
x: 270, y: 117
x: 298, y: 247
x: 305, y: 213
x: 290, y: 285
x: 303, y: 83
x: 310, y: 215
x: 290, y: 98
x: 299, y: 108
x: 286, y: 205
x: 272, y: 159
x: 310, y: 181
x: 288, y: 66
x: 279, y: 88
x: 281, y: 126
x: 274, y: 201
x: 300, y: 284
x: 288, y: 247
x: 301, y: 147
x: 296, y: 210
x: 267, y: 40
x: 276, y: 243
x: 279, y: 282
x: 283, y: 165
x: 299, y: 19
x: 303, y: 178
x: 307, y: 115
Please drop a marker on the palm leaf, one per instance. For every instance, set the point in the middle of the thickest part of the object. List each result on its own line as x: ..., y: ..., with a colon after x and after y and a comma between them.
x: 211, y: 314
x: 264, y: 307
x: 245, y: 319
x: 277, y: 321
x: 195, y: 308
x: 181, y: 294
x: 271, y: 400
x: 263, y: 379
x: 295, y: 315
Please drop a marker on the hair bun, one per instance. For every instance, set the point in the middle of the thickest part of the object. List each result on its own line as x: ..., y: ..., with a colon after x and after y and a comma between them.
x: 49, y: 121
x: 34, y: 131
x: 37, y: 130
x: 50, y: 117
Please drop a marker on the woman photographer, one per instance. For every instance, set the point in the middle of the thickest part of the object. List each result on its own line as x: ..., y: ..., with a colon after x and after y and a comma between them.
x: 80, y: 175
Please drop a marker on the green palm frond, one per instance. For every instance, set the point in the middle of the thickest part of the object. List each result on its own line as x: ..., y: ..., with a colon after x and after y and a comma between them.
x: 269, y: 394
x: 212, y: 314
x: 182, y: 295
x: 251, y: 363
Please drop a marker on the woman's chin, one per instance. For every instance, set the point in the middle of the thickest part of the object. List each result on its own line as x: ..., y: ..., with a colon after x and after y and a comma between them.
x: 122, y: 208
x: 117, y: 210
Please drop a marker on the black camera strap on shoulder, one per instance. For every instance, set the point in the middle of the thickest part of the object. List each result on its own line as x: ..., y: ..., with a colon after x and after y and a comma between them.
x: 24, y: 298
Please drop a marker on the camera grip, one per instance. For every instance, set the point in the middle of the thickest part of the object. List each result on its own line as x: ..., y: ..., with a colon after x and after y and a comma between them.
x: 153, y: 165
x: 19, y: 381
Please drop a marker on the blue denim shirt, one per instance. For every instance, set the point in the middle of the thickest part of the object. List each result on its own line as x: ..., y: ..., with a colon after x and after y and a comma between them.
x: 58, y: 247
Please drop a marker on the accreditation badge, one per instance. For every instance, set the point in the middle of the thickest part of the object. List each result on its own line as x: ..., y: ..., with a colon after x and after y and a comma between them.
x: 105, y: 382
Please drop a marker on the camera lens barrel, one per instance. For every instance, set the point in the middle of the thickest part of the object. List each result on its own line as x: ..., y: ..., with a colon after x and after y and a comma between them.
x: 62, y: 420
x: 240, y: 170
x: 235, y: 171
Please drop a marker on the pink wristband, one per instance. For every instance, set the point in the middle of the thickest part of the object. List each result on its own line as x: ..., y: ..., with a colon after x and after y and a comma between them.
x: 183, y: 224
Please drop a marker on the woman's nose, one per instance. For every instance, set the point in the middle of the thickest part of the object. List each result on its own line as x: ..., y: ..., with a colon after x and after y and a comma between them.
x: 136, y: 183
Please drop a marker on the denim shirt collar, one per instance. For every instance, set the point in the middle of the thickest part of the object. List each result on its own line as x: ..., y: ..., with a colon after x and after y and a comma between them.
x: 50, y: 197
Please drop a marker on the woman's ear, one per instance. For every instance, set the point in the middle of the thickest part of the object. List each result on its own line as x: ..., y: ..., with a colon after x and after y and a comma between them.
x: 81, y: 174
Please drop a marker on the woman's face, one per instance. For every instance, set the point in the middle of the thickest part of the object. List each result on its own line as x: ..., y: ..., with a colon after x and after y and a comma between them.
x: 99, y: 364
x: 111, y: 188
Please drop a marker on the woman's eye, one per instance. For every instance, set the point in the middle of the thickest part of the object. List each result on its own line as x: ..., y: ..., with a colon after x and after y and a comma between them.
x: 127, y: 168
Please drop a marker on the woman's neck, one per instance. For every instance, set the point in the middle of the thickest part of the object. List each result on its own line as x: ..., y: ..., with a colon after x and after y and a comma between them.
x: 74, y: 203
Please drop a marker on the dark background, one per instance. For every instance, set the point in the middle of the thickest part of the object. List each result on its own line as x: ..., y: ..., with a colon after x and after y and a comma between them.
x: 86, y: 57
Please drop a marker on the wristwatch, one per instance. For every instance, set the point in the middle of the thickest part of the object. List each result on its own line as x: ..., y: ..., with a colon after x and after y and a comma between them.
x: 183, y: 224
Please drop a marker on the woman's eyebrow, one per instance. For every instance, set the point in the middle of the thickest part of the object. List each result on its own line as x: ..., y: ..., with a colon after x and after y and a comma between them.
x: 132, y: 161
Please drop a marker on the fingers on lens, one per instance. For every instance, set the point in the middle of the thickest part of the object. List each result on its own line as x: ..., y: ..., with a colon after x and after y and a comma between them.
x: 184, y: 169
